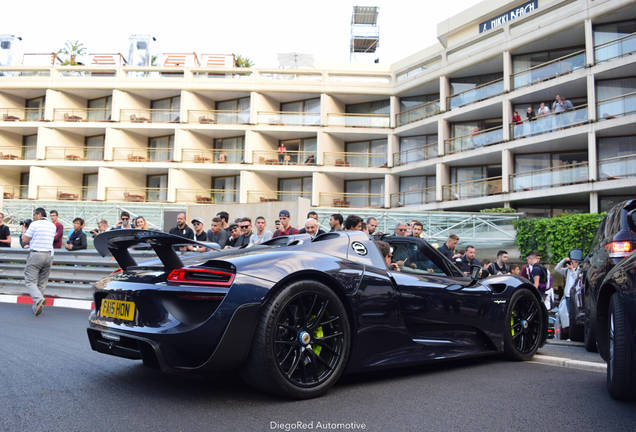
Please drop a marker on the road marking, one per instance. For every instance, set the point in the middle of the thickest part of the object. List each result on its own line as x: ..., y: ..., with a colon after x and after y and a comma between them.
x: 50, y: 301
x: 569, y: 363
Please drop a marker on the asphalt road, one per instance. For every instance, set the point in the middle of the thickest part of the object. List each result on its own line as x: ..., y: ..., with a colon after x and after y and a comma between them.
x: 50, y: 380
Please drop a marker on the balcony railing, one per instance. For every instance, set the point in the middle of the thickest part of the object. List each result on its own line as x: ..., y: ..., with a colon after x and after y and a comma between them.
x: 419, y: 112
x: 75, y: 153
x: 550, y: 177
x: 21, y: 114
x: 476, y: 94
x: 353, y: 159
x: 208, y: 156
x: 289, y: 118
x: 355, y: 200
x: 17, y: 152
x: 290, y: 157
x: 218, y: 116
x: 67, y: 193
x: 617, y: 106
x: 149, y: 116
x: 428, y: 151
x: 548, y: 70
x: 81, y: 114
x: 616, y: 48
x: 159, y: 154
x: 413, y: 197
x: 14, y: 192
x: 136, y: 194
x: 550, y: 122
x: 208, y: 196
x: 272, y: 196
x: 479, y: 138
x: 359, y: 120
x: 472, y: 189
x: 617, y: 167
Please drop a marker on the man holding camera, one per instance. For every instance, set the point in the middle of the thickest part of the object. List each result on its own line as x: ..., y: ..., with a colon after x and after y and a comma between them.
x: 569, y: 268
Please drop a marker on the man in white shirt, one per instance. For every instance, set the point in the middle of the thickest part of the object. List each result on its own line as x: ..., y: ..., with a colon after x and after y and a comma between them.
x: 39, y: 237
x: 260, y: 235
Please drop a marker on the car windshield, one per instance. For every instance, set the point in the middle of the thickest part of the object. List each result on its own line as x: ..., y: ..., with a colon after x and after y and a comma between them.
x: 411, y: 258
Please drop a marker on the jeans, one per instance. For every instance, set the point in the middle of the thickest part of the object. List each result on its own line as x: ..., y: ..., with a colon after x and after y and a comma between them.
x: 36, y: 274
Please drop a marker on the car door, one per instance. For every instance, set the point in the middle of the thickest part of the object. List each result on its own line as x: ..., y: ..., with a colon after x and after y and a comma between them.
x: 443, y: 310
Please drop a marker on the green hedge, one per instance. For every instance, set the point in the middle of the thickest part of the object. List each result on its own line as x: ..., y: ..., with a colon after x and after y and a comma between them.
x: 555, y: 237
x: 498, y: 210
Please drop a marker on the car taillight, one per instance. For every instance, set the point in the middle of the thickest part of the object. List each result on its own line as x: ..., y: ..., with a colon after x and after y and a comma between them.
x: 195, y: 276
x: 119, y: 270
x: 619, y: 249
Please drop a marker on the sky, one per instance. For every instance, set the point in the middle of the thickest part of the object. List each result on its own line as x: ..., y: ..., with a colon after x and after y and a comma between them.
x: 255, y: 29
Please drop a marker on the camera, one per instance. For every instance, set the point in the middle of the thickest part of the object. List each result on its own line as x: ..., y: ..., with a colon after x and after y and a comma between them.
x: 26, y: 223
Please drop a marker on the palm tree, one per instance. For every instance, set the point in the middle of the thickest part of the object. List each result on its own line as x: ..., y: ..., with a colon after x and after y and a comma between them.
x: 243, y: 62
x: 72, y: 50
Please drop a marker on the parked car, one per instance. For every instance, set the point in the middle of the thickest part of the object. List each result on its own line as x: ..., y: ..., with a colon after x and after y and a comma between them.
x: 609, y: 297
x: 295, y: 313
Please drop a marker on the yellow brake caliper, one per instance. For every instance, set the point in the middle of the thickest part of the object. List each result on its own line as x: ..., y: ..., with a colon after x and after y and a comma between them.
x: 318, y: 333
x: 512, y: 323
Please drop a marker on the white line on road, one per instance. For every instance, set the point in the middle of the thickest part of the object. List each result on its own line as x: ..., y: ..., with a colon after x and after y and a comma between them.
x: 569, y: 363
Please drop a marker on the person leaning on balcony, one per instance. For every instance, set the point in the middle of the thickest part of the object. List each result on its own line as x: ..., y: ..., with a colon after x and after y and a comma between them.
x: 282, y: 152
x: 5, y: 233
x: 59, y: 230
x: 530, y: 115
x: 77, y: 239
x: 543, y: 110
x: 516, y: 118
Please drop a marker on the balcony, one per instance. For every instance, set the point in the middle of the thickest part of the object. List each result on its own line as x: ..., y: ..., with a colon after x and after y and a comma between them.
x: 359, y: 120
x: 477, y: 139
x: 550, y: 177
x: 289, y: 118
x: 208, y: 196
x: 149, y: 116
x: 476, y: 94
x: 17, y: 152
x: 472, y: 189
x: 353, y: 159
x: 274, y: 196
x: 290, y: 157
x: 81, y: 114
x: 549, y: 70
x: 142, y: 154
x: 617, y: 106
x: 618, y: 167
x: 67, y: 193
x: 136, y: 194
x: 21, y: 114
x: 75, y: 153
x: 14, y: 192
x: 218, y: 116
x: 616, y: 48
x: 415, y: 154
x: 419, y: 112
x: 356, y: 200
x: 413, y: 197
x: 208, y: 156
x: 550, y: 122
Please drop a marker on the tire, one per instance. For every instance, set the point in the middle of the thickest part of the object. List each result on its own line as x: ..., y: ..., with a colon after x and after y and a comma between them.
x: 301, y: 344
x: 620, y: 374
x: 524, y: 326
x: 589, y: 337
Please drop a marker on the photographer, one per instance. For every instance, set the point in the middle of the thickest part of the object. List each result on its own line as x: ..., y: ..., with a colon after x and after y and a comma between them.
x: 24, y: 225
x: 102, y: 226
x: 569, y: 268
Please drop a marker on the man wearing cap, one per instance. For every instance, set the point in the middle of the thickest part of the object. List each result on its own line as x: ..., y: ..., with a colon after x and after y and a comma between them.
x: 285, y: 227
x: 569, y: 269
x: 199, y: 235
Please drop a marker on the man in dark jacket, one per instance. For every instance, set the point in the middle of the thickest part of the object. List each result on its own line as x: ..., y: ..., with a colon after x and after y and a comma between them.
x: 182, y: 229
x: 469, y: 260
x: 77, y: 240
x: 448, y: 248
x: 217, y: 234
x: 245, y: 226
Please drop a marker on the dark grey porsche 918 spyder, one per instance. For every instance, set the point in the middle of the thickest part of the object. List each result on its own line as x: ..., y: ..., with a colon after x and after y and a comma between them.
x: 294, y: 314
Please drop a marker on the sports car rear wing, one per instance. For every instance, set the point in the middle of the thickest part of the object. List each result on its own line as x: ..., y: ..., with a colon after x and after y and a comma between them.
x: 117, y: 243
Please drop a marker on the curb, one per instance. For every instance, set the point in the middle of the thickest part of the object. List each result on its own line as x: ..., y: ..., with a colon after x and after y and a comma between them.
x: 564, y: 342
x: 569, y: 363
x: 50, y: 301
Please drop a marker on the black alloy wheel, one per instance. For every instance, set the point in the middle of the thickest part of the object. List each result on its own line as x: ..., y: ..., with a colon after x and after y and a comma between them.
x: 620, y: 374
x: 524, y: 326
x: 302, y: 345
x: 589, y: 337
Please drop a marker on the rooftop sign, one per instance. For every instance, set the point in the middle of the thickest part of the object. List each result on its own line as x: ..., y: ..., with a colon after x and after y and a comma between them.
x: 508, y: 16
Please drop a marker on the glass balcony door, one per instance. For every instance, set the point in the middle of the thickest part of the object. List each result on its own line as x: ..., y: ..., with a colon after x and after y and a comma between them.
x: 89, y: 189
x: 29, y: 147
x: 34, y: 109
x: 160, y: 148
x: 226, y: 189
x: 100, y: 109
x: 94, y: 147
x: 365, y: 193
x: 229, y: 150
x: 157, y: 187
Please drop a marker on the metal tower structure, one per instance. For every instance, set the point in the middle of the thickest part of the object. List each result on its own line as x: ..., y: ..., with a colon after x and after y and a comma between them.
x: 365, y: 34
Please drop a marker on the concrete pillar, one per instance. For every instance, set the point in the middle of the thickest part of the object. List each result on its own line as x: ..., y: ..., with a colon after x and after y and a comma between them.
x: 315, y: 189
x: 245, y: 183
x: 591, y: 98
x: 506, y: 118
x: 444, y: 93
x: 391, y: 187
x: 442, y: 178
x: 394, y: 104
x: 507, y: 71
x: 172, y: 185
x: 592, y: 157
x: 589, y: 42
x: 254, y: 107
x: 443, y: 133
x: 393, y: 146
x: 594, y: 202
x: 251, y: 142
x: 507, y: 169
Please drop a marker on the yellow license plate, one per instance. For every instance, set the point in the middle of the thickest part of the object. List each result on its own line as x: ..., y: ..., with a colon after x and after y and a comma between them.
x: 119, y: 309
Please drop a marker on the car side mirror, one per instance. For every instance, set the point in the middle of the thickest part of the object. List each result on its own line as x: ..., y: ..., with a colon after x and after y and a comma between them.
x: 475, y: 270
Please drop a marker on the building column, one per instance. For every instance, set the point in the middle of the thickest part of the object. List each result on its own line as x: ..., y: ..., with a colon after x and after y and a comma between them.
x: 172, y: 186
x: 589, y: 43
x: 507, y: 71
x: 507, y: 169
x: 394, y: 109
x: 393, y: 146
x: 443, y: 133
x: 506, y: 118
x: 251, y: 139
x: 594, y: 207
x: 244, y: 185
x: 442, y: 178
x: 444, y: 92
x: 592, y: 157
x: 591, y: 98
x: 254, y: 107
x: 391, y: 187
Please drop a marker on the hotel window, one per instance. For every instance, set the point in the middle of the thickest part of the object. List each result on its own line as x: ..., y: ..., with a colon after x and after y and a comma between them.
x: 615, y: 40
x: 157, y: 187
x: 543, y: 170
x: 366, y: 153
x: 226, y: 189
x: 94, y: 146
x: 168, y: 109
x: 417, y: 148
x: 24, y: 185
x: 467, y: 174
x: 291, y: 188
x: 617, y: 157
x: 459, y: 85
x: 99, y: 109
x: 407, y: 103
x: 160, y: 148
x: 229, y: 149
x: 307, y: 105
x: 237, y: 110
x: 89, y: 190
x: 301, y: 151
x: 616, y: 97
x: 34, y: 109
x: 375, y: 107
x: 310, y: 109
x: 365, y: 193
x: 29, y: 147
x: 417, y: 189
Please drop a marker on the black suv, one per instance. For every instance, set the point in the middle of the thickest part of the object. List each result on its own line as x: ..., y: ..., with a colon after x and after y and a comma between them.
x: 609, y: 298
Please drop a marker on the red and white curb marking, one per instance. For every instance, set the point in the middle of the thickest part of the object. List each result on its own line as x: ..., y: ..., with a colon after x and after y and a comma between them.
x: 50, y: 301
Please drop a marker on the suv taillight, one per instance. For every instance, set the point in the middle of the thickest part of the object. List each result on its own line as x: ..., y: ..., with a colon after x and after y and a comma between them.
x: 619, y: 249
x: 194, y: 276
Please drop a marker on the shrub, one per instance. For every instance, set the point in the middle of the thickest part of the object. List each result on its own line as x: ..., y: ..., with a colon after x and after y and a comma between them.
x: 498, y: 210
